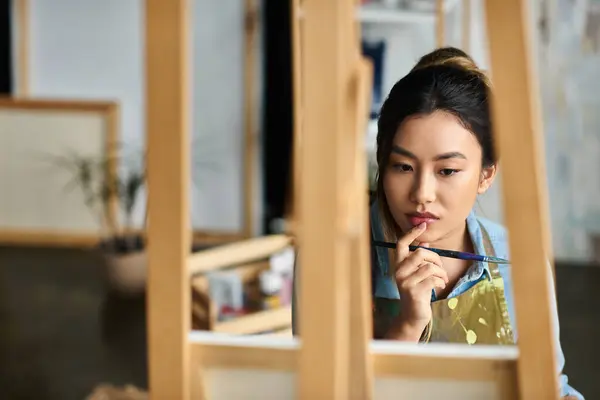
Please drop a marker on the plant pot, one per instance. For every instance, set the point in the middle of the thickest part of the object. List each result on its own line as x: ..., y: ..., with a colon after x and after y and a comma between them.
x: 110, y: 392
x: 126, y: 264
x: 127, y: 273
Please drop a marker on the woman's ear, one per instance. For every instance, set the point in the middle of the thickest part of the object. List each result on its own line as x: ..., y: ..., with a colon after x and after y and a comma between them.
x: 487, y: 178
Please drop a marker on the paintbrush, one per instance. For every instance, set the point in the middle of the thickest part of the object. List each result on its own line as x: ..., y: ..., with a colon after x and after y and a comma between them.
x: 449, y: 253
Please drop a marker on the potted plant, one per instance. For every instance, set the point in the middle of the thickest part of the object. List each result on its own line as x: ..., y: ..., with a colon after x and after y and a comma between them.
x: 108, y: 196
x: 124, y: 248
x: 111, y: 198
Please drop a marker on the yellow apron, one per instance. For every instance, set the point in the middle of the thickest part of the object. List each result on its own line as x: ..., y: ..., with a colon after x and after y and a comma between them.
x: 477, y: 316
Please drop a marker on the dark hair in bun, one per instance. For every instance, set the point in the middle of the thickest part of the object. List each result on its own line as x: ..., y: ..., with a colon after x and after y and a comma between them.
x: 448, y: 80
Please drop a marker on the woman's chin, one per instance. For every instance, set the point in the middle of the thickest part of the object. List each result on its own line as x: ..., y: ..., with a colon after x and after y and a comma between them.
x: 428, y: 237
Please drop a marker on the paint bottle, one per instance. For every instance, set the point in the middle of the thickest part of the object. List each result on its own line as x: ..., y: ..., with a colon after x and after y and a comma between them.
x: 282, y: 264
x: 227, y: 292
x: 270, y: 287
x: 286, y: 292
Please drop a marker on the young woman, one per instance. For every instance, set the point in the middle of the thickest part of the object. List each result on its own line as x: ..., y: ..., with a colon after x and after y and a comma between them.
x: 435, y: 154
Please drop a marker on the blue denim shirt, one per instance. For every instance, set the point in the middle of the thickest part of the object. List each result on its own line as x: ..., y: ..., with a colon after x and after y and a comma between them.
x: 384, y: 286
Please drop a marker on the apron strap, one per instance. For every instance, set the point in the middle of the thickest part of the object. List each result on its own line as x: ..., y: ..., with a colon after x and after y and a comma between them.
x: 489, y: 250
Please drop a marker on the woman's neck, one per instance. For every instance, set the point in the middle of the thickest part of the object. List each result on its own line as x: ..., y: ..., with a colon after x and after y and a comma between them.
x: 457, y: 239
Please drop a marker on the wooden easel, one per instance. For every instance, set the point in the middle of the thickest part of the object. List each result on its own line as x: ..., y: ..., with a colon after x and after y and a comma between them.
x: 335, y: 358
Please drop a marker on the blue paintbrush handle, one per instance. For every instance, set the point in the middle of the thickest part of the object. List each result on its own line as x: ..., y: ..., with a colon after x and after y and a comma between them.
x: 449, y: 253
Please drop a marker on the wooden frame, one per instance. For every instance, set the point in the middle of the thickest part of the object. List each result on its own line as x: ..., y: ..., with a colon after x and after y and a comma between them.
x: 440, y: 23
x: 168, y: 109
x: 252, y: 22
x: 330, y: 356
x: 329, y: 57
x: 519, y: 138
x: 484, y: 364
x: 467, y: 8
x: 112, y: 116
x: 297, y: 45
x: 109, y: 111
x: 297, y: 15
x: 247, y: 259
x: 21, y: 9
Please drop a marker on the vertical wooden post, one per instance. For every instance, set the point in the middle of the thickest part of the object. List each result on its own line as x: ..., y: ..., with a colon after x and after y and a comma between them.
x: 167, y: 122
x: 250, y: 135
x: 361, y: 312
x: 466, y: 25
x: 296, y: 25
x: 22, y: 8
x: 329, y: 58
x: 519, y: 138
x: 440, y: 23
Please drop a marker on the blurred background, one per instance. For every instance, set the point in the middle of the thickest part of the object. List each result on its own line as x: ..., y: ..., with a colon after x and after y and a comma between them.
x: 72, y: 168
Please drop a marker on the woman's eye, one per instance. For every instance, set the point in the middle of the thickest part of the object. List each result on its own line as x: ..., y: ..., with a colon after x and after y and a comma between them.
x: 448, y: 171
x: 402, y: 167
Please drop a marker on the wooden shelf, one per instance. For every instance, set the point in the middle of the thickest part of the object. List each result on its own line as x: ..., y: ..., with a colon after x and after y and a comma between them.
x: 379, y: 14
x: 247, y: 259
x: 258, y: 322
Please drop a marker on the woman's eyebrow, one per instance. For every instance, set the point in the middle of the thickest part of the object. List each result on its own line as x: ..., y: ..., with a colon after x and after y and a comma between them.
x: 444, y: 156
x: 452, y: 154
x: 403, y: 152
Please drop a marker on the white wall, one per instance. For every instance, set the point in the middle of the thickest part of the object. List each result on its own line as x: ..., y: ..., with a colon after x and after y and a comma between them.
x: 571, y: 98
x: 569, y: 78
x: 95, y: 49
x: 407, y: 42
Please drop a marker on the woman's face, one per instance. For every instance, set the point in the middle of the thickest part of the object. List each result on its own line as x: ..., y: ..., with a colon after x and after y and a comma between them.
x: 434, y: 175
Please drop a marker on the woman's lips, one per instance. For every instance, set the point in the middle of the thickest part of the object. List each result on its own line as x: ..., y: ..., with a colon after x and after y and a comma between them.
x: 418, y: 219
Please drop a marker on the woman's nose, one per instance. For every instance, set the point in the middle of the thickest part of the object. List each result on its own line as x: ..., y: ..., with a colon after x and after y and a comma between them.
x: 424, y: 189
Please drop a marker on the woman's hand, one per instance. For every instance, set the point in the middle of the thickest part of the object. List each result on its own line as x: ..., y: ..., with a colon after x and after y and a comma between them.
x: 417, y: 274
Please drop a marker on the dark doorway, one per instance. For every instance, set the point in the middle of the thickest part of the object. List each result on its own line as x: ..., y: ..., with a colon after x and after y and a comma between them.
x: 278, y: 110
x: 5, y: 48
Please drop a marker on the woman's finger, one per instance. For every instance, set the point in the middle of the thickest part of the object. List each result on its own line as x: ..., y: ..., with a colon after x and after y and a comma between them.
x: 433, y: 282
x: 424, y: 272
x: 403, y: 243
x: 408, y: 267
x: 414, y: 261
x: 425, y: 255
